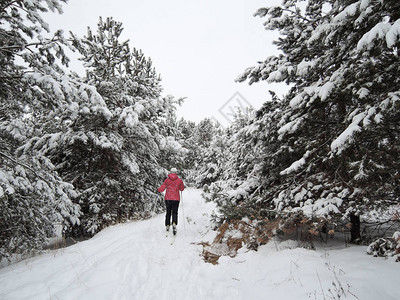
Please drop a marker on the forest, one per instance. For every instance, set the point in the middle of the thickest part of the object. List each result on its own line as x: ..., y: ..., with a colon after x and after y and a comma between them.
x: 81, y: 153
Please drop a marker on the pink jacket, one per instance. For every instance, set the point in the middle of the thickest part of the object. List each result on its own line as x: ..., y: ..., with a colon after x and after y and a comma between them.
x: 173, y: 184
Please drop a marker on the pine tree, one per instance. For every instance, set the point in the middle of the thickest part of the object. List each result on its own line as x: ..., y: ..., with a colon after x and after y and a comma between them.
x: 338, y: 126
x: 239, y: 187
x: 173, y: 144
x: 35, y: 201
x: 204, y: 132
x: 111, y: 149
x: 186, y: 139
x: 207, y: 149
x: 213, y: 158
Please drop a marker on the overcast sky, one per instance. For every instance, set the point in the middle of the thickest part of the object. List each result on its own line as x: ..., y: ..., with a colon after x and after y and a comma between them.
x: 199, y: 47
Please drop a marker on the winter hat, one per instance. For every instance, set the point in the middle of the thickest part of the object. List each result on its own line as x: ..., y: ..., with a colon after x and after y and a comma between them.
x: 174, y: 170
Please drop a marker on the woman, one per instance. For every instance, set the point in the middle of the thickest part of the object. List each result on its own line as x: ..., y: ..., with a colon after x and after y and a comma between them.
x: 173, y: 184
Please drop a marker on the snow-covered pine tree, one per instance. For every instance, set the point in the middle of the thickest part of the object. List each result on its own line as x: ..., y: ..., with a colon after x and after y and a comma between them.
x: 204, y: 132
x: 338, y: 129
x: 212, y: 159
x: 239, y: 188
x: 111, y: 150
x: 173, y: 147
x: 207, y: 150
x: 35, y: 202
x: 186, y: 139
x: 242, y: 154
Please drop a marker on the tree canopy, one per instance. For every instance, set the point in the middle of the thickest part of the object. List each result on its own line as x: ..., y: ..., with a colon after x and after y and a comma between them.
x: 330, y: 147
x: 77, y: 153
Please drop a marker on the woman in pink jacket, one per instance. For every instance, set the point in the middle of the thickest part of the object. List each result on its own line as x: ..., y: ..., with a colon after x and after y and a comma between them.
x: 173, y: 184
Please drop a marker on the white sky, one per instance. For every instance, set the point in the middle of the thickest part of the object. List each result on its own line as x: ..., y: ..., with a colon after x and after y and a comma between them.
x: 198, y: 47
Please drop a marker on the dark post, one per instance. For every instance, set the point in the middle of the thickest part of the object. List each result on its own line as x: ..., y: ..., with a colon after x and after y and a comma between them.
x: 355, y: 228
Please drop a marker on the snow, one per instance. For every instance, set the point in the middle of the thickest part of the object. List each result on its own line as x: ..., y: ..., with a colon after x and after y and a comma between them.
x: 130, y: 116
x: 393, y: 35
x: 136, y: 261
x: 326, y: 90
x: 323, y: 207
x: 304, y: 66
x: 295, y: 166
x: 346, y: 137
x: 131, y: 163
x: 289, y: 127
x: 349, y: 11
x: 377, y: 32
x: 364, y: 4
x: 363, y: 92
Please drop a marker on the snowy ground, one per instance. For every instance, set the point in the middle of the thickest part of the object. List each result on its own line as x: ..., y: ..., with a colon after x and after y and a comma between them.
x: 137, y: 261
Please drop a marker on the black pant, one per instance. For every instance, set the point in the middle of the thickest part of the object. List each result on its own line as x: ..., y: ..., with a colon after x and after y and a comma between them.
x: 172, y: 208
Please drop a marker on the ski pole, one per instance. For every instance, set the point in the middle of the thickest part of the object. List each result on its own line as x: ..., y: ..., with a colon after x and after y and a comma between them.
x: 183, y: 214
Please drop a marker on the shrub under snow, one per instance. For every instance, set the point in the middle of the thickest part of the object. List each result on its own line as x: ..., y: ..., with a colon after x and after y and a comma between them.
x: 386, y: 247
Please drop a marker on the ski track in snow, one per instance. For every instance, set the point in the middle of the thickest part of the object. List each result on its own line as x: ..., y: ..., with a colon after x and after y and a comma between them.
x: 137, y: 261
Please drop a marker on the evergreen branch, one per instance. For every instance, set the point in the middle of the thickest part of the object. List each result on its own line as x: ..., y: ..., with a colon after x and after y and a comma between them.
x: 25, y: 46
x: 10, y: 77
x: 25, y: 166
x: 3, y: 8
x: 296, y: 14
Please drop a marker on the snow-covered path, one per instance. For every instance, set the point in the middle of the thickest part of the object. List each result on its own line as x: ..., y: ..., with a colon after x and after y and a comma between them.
x: 127, y: 261
x: 137, y: 261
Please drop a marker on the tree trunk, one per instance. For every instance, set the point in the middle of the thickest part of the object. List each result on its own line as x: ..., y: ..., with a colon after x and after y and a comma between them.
x: 355, y: 228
